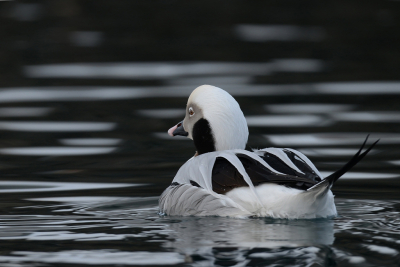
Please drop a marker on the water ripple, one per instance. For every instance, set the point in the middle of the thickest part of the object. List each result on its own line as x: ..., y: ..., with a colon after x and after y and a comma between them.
x: 203, y: 241
x: 96, y: 257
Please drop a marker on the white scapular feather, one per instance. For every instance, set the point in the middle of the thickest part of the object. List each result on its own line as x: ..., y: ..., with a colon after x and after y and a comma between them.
x: 282, y: 155
x: 268, y: 199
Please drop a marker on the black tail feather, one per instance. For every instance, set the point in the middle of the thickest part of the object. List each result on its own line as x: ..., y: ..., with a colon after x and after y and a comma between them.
x: 352, y: 162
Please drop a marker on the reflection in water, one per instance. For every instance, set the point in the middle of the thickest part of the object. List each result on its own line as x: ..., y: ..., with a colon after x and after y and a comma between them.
x: 75, y: 93
x: 395, y: 162
x: 113, y: 205
x: 364, y: 175
x: 56, y: 151
x: 363, y: 88
x: 220, y: 81
x: 190, y: 234
x: 96, y: 257
x: 91, y: 141
x: 267, y: 233
x: 56, y: 126
x: 286, y: 33
x: 98, y: 93
x: 382, y: 117
x: 28, y: 186
x: 64, y: 235
x: 307, y: 108
x: 162, y: 70
x: 325, y: 139
x: 286, y: 120
x: 24, y: 112
x: 297, y: 65
x: 93, y: 201
x: 144, y: 70
x: 329, y: 152
x: 206, y: 241
x: 383, y: 250
x: 162, y: 113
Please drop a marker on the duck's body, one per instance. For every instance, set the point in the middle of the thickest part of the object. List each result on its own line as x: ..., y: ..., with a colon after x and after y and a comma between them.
x: 226, y: 180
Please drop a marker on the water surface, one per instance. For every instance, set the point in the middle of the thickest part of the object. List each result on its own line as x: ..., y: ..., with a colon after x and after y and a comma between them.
x: 82, y: 169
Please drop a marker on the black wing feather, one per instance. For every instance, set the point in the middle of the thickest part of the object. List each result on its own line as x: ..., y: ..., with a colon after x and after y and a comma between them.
x: 226, y: 177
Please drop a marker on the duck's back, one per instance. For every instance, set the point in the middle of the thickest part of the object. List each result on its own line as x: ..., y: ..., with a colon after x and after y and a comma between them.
x: 243, y: 183
x: 287, y: 167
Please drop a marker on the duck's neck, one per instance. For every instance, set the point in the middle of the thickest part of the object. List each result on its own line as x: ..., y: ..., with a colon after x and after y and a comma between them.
x: 203, y: 137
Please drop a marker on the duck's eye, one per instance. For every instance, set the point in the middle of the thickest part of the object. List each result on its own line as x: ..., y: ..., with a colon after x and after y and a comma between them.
x: 191, y: 111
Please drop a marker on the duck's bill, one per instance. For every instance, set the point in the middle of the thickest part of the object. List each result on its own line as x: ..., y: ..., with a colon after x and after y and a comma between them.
x: 177, y: 130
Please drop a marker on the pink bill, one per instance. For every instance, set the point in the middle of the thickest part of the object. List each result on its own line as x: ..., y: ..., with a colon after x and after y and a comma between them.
x: 172, y: 129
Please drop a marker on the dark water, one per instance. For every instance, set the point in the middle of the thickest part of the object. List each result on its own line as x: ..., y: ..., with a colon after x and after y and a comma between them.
x: 82, y: 169
x: 89, y: 88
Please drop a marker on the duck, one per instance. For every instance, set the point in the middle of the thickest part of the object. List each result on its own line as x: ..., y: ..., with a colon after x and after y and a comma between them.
x: 224, y: 179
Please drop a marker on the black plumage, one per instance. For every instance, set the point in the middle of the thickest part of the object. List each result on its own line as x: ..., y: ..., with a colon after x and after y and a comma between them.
x: 203, y: 137
x: 226, y: 177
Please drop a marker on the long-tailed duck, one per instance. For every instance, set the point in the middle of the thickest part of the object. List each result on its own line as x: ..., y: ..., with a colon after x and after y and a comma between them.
x: 223, y: 179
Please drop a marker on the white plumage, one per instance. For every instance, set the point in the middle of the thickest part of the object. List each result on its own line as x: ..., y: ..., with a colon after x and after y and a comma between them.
x: 266, y: 200
x: 219, y: 130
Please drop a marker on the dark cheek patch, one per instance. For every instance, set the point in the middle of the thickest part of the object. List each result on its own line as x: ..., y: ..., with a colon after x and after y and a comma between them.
x: 202, y: 137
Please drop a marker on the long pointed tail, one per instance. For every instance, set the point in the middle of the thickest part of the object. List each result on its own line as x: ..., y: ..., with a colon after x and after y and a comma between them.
x: 328, y: 181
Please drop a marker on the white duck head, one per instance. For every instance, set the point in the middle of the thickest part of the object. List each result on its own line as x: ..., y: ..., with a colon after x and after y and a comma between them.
x: 214, y: 121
